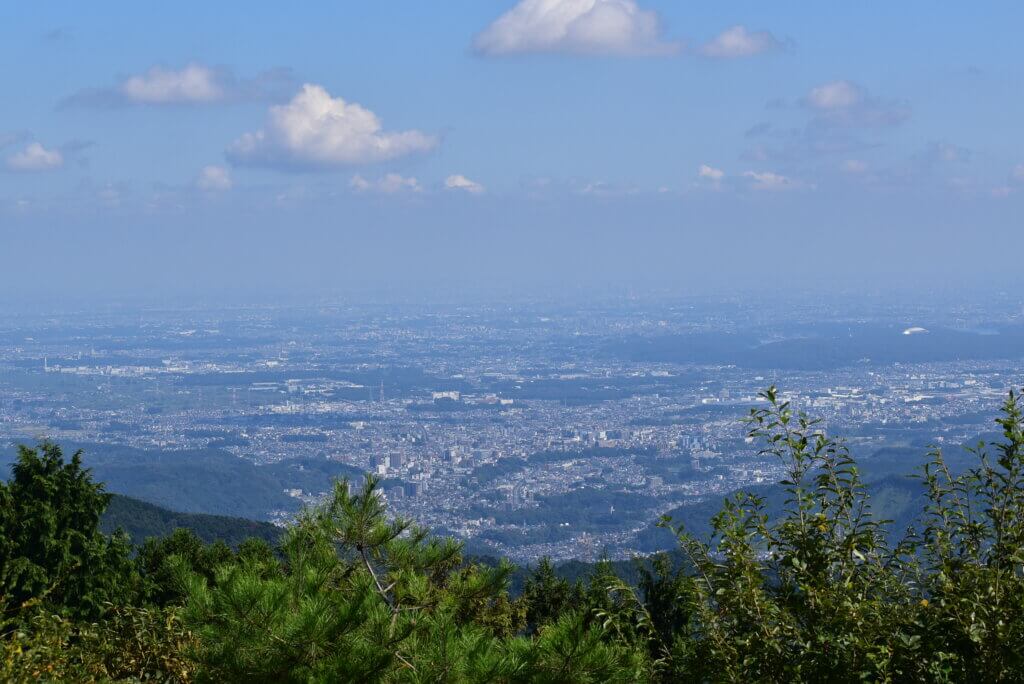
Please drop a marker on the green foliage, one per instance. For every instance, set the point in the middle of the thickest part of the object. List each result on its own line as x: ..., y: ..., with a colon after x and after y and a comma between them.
x: 160, y: 584
x: 74, y: 604
x: 819, y: 595
x: 665, y: 588
x: 129, y: 643
x: 361, y: 597
x: 546, y: 596
x: 52, y: 548
x: 972, y: 569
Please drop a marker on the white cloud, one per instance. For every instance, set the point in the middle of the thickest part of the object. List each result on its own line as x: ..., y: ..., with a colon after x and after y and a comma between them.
x: 35, y: 157
x: 315, y: 130
x: 192, y: 84
x: 710, y: 173
x: 390, y: 184
x: 854, y: 166
x: 1018, y: 172
x: 159, y: 85
x: 460, y: 182
x: 214, y: 178
x: 596, y: 27
x: 737, y: 41
x: 844, y: 103
x: 767, y: 180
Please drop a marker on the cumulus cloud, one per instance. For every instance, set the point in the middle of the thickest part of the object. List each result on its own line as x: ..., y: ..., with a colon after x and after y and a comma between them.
x: 710, y: 173
x: 214, y: 179
x: 593, y: 27
x: 193, y: 84
x: 389, y: 184
x: 738, y: 41
x: 317, y: 131
x: 843, y: 103
x: 767, y: 180
x: 35, y: 157
x: 460, y: 182
x: 854, y: 166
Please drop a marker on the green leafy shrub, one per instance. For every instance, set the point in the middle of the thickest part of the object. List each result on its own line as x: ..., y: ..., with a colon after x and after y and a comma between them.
x: 818, y: 594
x: 128, y: 644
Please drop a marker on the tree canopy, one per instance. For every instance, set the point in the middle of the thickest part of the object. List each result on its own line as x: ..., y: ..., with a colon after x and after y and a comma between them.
x: 50, y: 544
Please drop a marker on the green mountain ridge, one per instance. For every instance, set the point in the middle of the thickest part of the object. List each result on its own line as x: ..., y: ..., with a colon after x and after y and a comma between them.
x: 142, y: 520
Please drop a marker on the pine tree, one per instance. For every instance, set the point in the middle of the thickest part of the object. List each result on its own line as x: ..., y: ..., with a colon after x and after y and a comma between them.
x: 364, y: 597
x: 546, y: 596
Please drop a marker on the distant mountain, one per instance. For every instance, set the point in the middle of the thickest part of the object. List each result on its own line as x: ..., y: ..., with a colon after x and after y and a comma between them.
x: 142, y: 520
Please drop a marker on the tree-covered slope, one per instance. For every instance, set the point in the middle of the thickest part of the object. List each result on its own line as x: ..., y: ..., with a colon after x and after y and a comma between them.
x: 142, y: 520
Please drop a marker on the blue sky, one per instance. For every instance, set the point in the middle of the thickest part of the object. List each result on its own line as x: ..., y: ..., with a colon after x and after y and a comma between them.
x: 310, y: 147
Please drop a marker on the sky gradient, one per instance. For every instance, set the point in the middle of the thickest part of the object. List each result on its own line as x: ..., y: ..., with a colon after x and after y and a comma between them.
x: 205, y: 148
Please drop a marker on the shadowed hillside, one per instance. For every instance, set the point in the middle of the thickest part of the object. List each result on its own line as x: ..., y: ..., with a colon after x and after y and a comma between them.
x: 142, y: 520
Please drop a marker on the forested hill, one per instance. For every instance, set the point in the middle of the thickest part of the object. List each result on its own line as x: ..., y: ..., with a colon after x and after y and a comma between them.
x: 142, y: 520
